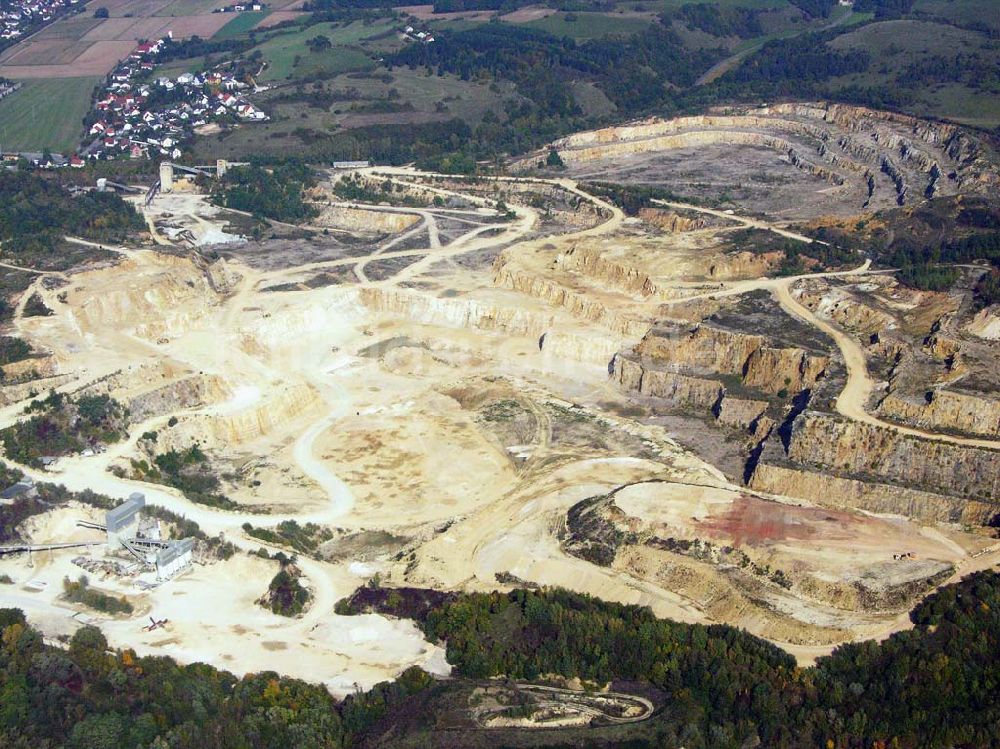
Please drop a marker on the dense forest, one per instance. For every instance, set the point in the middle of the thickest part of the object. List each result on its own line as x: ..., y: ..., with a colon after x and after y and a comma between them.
x: 36, y: 213
x: 275, y: 192
x: 932, y: 686
x: 729, y: 689
x: 89, y: 697
x: 718, y: 20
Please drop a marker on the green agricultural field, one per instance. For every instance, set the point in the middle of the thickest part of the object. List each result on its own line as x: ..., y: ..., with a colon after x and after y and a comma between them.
x: 281, y: 51
x: 70, y: 27
x: 589, y: 25
x: 189, y: 7
x: 241, y: 24
x: 45, y: 113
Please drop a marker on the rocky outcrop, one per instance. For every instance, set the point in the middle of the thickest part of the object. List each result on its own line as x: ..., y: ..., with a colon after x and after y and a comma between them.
x: 654, y: 128
x: 361, y: 219
x: 945, y: 410
x: 594, y: 263
x: 224, y: 429
x: 892, y: 172
x: 740, y: 412
x: 187, y: 392
x: 678, y: 389
x: 577, y: 303
x: 697, y: 138
x: 975, y: 169
x: 701, y: 394
x: 759, y: 365
x: 740, y: 265
x: 456, y: 312
x: 865, y: 451
x: 33, y: 367
x: 846, y: 493
x: 670, y: 221
x: 512, y: 318
x: 986, y: 324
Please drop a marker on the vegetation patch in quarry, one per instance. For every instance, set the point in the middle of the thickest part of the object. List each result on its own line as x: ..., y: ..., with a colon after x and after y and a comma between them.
x: 361, y: 190
x: 286, y: 596
x: 189, y: 471
x: 276, y: 192
x: 62, y: 425
x: 79, y: 591
x: 305, y: 538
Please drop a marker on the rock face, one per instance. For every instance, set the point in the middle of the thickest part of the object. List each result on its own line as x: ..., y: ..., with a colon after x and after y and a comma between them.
x: 187, y: 392
x: 670, y: 221
x: 360, y: 219
x: 595, y: 264
x: 868, y: 495
x: 577, y: 303
x: 679, y: 389
x: 863, y: 450
x: 458, y: 312
x: 945, y: 410
x: 697, y: 393
x: 35, y: 366
x: 740, y: 412
x: 725, y: 352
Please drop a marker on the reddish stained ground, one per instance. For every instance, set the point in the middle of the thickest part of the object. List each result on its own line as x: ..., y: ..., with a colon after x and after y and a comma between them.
x: 754, y: 521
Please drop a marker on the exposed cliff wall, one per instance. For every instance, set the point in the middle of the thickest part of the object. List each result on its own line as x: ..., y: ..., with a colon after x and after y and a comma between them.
x: 699, y: 393
x: 655, y: 127
x: 834, y: 491
x: 35, y: 366
x: 699, y: 138
x: 946, y: 410
x: 868, y: 451
x: 223, y: 430
x: 726, y: 352
x: 740, y: 412
x: 187, y: 392
x: 584, y: 306
x: 682, y: 390
x: 456, y: 312
x: 360, y: 219
x: 596, y: 264
x: 670, y: 221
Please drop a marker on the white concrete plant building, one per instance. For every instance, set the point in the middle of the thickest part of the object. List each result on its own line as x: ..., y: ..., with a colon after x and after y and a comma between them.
x: 122, y: 522
x: 176, y: 557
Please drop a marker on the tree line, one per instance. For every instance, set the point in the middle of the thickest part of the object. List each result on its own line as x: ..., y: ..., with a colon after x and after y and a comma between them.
x: 932, y: 686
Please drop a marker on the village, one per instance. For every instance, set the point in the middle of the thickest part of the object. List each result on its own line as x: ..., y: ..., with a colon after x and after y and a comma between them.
x: 137, y: 116
x: 18, y: 18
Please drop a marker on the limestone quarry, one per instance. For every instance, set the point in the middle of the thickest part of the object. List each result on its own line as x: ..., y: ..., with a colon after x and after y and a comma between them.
x: 518, y: 381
